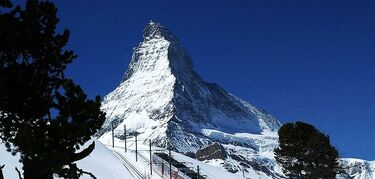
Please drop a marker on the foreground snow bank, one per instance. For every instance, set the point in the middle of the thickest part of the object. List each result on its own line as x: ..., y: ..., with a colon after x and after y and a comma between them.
x: 10, y: 163
x: 101, y: 162
x: 209, y: 170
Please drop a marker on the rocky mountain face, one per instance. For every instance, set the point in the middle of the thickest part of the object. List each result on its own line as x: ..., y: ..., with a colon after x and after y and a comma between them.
x: 358, y: 169
x: 162, y: 98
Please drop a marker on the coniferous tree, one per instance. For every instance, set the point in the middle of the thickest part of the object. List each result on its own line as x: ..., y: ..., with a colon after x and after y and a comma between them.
x: 304, y: 152
x: 44, y: 116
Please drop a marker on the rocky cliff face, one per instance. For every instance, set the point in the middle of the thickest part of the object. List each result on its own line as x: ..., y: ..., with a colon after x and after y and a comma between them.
x: 164, y: 99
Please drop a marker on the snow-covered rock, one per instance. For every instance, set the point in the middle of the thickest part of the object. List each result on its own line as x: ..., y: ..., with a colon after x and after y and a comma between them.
x: 213, y: 151
x: 162, y: 98
x: 358, y: 169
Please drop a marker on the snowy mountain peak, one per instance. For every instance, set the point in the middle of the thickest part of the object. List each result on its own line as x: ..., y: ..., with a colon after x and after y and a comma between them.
x: 166, y: 100
x: 155, y: 30
x: 159, y: 50
x: 162, y: 98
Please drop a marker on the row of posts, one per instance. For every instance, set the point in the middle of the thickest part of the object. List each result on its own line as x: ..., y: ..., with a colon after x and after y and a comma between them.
x: 136, y: 145
x: 136, y: 152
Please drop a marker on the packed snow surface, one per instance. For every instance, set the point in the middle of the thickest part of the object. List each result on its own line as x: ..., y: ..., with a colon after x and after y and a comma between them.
x: 101, y: 162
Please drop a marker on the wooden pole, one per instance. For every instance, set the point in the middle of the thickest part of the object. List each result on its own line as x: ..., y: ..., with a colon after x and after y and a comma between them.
x: 150, y: 158
x: 113, y: 137
x: 125, y: 137
x: 136, y: 148
x: 170, y: 163
x: 198, y: 172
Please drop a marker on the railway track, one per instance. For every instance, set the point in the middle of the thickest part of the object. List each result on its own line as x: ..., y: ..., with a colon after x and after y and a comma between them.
x: 129, y: 166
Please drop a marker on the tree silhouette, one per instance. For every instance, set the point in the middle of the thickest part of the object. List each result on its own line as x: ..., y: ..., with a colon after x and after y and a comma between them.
x: 1, y: 172
x: 44, y: 116
x: 304, y: 152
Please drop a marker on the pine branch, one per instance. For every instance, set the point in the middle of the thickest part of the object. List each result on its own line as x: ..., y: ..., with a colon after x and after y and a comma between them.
x: 19, y: 173
x: 1, y: 172
x: 87, y: 173
x: 84, y: 153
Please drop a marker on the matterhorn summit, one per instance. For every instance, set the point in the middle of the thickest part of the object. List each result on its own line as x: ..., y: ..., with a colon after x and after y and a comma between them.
x: 162, y: 98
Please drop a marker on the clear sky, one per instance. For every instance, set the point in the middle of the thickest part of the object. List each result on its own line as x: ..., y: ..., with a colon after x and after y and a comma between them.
x: 312, y: 61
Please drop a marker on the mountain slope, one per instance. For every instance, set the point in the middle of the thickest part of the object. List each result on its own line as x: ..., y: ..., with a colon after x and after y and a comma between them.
x: 161, y: 92
x: 358, y: 169
x: 162, y: 98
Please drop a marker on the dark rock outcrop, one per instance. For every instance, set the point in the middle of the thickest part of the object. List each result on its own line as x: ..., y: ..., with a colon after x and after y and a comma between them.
x: 213, y: 151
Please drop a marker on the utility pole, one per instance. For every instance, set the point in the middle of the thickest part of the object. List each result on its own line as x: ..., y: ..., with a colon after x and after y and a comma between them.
x: 150, y: 159
x: 170, y: 163
x: 198, y: 176
x: 113, y: 136
x: 136, y: 147
x: 125, y: 137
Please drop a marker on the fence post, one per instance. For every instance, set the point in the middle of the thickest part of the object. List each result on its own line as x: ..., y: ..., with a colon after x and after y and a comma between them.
x: 125, y: 137
x: 136, y: 147
x: 150, y: 159
x: 198, y: 172
x: 113, y: 136
x: 170, y: 163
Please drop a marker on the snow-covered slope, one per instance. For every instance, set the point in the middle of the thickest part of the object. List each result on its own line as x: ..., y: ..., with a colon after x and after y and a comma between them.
x: 358, y: 169
x: 162, y: 98
x: 142, y: 165
x: 101, y: 162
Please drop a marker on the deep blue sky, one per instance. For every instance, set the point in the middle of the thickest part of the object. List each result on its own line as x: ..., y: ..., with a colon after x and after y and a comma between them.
x: 312, y: 61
